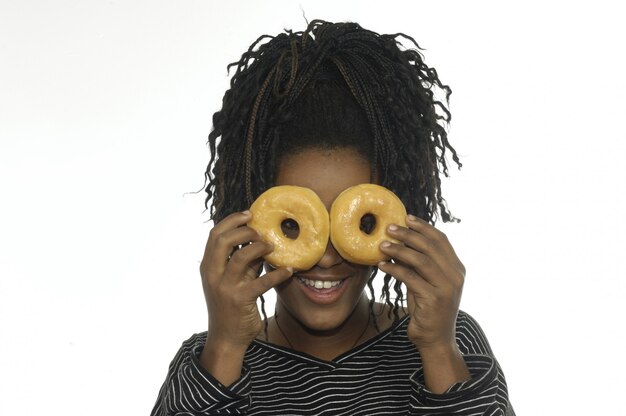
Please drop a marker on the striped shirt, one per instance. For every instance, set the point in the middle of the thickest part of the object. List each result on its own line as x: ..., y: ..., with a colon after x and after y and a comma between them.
x: 382, y: 376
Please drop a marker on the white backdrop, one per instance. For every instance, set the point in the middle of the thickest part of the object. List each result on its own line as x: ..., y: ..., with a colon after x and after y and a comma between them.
x: 105, y: 107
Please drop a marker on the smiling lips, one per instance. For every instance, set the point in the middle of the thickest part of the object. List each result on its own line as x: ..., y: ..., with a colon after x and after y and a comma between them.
x: 322, y: 292
x: 320, y: 284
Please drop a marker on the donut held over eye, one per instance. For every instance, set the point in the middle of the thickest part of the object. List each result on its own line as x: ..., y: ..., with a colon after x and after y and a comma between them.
x: 359, y: 218
x: 295, y: 221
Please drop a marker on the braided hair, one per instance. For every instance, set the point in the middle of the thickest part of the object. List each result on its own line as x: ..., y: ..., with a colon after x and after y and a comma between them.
x: 334, y: 85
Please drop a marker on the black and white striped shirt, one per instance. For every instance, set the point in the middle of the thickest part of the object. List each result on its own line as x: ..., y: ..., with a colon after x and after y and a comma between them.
x: 382, y: 376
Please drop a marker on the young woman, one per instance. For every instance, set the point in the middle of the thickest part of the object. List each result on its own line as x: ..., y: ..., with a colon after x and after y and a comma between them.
x: 326, y: 109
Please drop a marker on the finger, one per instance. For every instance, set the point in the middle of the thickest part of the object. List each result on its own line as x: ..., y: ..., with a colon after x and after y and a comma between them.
x: 421, y: 262
x: 414, y: 282
x: 411, y: 238
x: 425, y: 238
x: 232, y: 221
x: 269, y: 280
x: 437, y: 238
x: 423, y: 227
x: 243, y: 262
x: 227, y: 234
x: 226, y: 244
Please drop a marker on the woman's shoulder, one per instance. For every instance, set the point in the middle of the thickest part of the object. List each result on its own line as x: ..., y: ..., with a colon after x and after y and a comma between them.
x: 470, y: 336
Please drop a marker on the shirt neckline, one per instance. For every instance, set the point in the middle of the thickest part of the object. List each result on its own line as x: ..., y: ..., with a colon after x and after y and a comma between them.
x: 335, y: 362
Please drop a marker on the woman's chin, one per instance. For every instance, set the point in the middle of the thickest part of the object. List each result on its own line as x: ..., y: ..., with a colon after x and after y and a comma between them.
x: 321, y: 324
x: 328, y: 320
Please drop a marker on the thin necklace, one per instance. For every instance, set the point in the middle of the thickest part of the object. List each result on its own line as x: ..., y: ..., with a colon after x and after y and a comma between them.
x: 281, y: 331
x: 369, y: 317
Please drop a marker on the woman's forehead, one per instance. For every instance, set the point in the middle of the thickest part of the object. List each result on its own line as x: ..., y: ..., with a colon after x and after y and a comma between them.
x: 327, y: 172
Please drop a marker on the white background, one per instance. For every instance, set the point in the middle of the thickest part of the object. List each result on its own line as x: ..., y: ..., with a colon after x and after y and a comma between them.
x: 105, y: 107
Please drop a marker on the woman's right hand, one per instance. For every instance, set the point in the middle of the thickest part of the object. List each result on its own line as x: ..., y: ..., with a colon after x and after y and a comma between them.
x: 232, y: 286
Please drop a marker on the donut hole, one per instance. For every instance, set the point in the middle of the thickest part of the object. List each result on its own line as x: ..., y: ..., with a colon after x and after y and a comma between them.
x: 290, y: 228
x: 368, y: 223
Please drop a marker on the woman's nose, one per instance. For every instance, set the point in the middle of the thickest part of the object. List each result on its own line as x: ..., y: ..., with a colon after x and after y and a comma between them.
x: 330, y: 258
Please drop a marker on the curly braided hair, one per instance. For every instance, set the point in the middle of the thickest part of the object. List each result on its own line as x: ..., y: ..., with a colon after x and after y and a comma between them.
x: 334, y: 85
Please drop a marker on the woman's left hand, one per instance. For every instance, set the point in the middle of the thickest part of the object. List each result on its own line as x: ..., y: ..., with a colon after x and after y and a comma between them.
x: 428, y: 266
x: 433, y: 274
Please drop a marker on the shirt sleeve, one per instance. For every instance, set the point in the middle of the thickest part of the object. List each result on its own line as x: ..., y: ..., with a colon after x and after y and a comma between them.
x: 190, y: 390
x: 484, y: 394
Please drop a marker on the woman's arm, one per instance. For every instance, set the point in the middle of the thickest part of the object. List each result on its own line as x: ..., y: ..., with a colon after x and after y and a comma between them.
x: 451, y: 379
x: 485, y: 393
x: 426, y: 263
x: 191, y: 389
x: 209, y: 373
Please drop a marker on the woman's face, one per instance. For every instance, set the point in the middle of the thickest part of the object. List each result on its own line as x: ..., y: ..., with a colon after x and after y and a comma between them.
x: 328, y: 173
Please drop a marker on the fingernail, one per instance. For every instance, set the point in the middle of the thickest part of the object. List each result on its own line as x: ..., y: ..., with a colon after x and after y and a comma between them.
x: 246, y: 212
x: 290, y: 269
x: 386, y: 244
x: 382, y: 263
x: 393, y: 227
x: 412, y: 218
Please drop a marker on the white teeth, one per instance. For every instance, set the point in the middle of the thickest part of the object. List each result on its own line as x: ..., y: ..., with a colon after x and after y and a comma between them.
x: 320, y: 284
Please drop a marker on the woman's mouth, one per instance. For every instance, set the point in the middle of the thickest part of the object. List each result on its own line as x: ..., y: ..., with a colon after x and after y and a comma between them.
x: 320, y: 284
x: 322, y: 291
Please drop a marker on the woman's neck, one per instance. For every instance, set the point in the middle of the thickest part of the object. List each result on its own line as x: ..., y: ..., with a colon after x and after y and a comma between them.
x: 287, y: 331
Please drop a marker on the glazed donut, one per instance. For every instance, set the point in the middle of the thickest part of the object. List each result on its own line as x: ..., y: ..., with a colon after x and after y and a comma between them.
x: 295, y: 221
x: 346, y: 214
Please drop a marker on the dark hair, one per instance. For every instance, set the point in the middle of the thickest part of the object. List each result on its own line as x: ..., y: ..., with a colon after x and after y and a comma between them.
x: 333, y: 85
